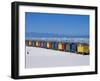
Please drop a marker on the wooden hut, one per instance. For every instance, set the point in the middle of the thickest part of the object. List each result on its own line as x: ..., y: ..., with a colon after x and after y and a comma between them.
x: 73, y: 47
x: 37, y: 43
x: 61, y: 46
x: 49, y: 44
x: 42, y: 44
x: 26, y: 42
x: 54, y: 45
x: 67, y: 47
x: 82, y: 48
x: 30, y: 42
x: 33, y: 43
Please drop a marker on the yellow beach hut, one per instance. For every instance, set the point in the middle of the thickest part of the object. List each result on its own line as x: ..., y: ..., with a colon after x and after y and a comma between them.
x: 82, y: 48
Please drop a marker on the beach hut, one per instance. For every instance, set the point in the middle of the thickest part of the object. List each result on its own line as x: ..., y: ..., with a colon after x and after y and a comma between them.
x: 67, y: 47
x: 49, y: 44
x: 73, y: 47
x: 42, y: 44
x: 54, y: 45
x: 37, y: 43
x: 26, y: 42
x: 83, y: 48
x: 33, y: 43
x: 30, y: 43
x: 61, y: 46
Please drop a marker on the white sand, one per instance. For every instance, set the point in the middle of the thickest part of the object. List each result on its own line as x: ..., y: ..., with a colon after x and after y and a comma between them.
x: 41, y: 57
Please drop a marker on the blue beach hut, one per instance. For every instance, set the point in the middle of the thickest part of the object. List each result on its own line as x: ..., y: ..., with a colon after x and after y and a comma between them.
x: 73, y: 47
x: 54, y: 45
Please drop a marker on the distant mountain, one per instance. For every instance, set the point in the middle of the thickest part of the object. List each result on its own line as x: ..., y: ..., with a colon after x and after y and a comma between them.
x: 50, y: 35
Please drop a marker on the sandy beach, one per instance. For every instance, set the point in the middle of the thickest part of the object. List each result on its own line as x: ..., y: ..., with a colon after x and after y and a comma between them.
x: 40, y: 57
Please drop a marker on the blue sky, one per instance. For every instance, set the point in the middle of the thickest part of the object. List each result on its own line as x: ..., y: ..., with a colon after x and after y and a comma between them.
x: 67, y: 24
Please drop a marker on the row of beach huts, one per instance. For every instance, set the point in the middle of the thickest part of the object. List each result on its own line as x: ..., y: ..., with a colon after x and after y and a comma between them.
x: 74, y: 47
